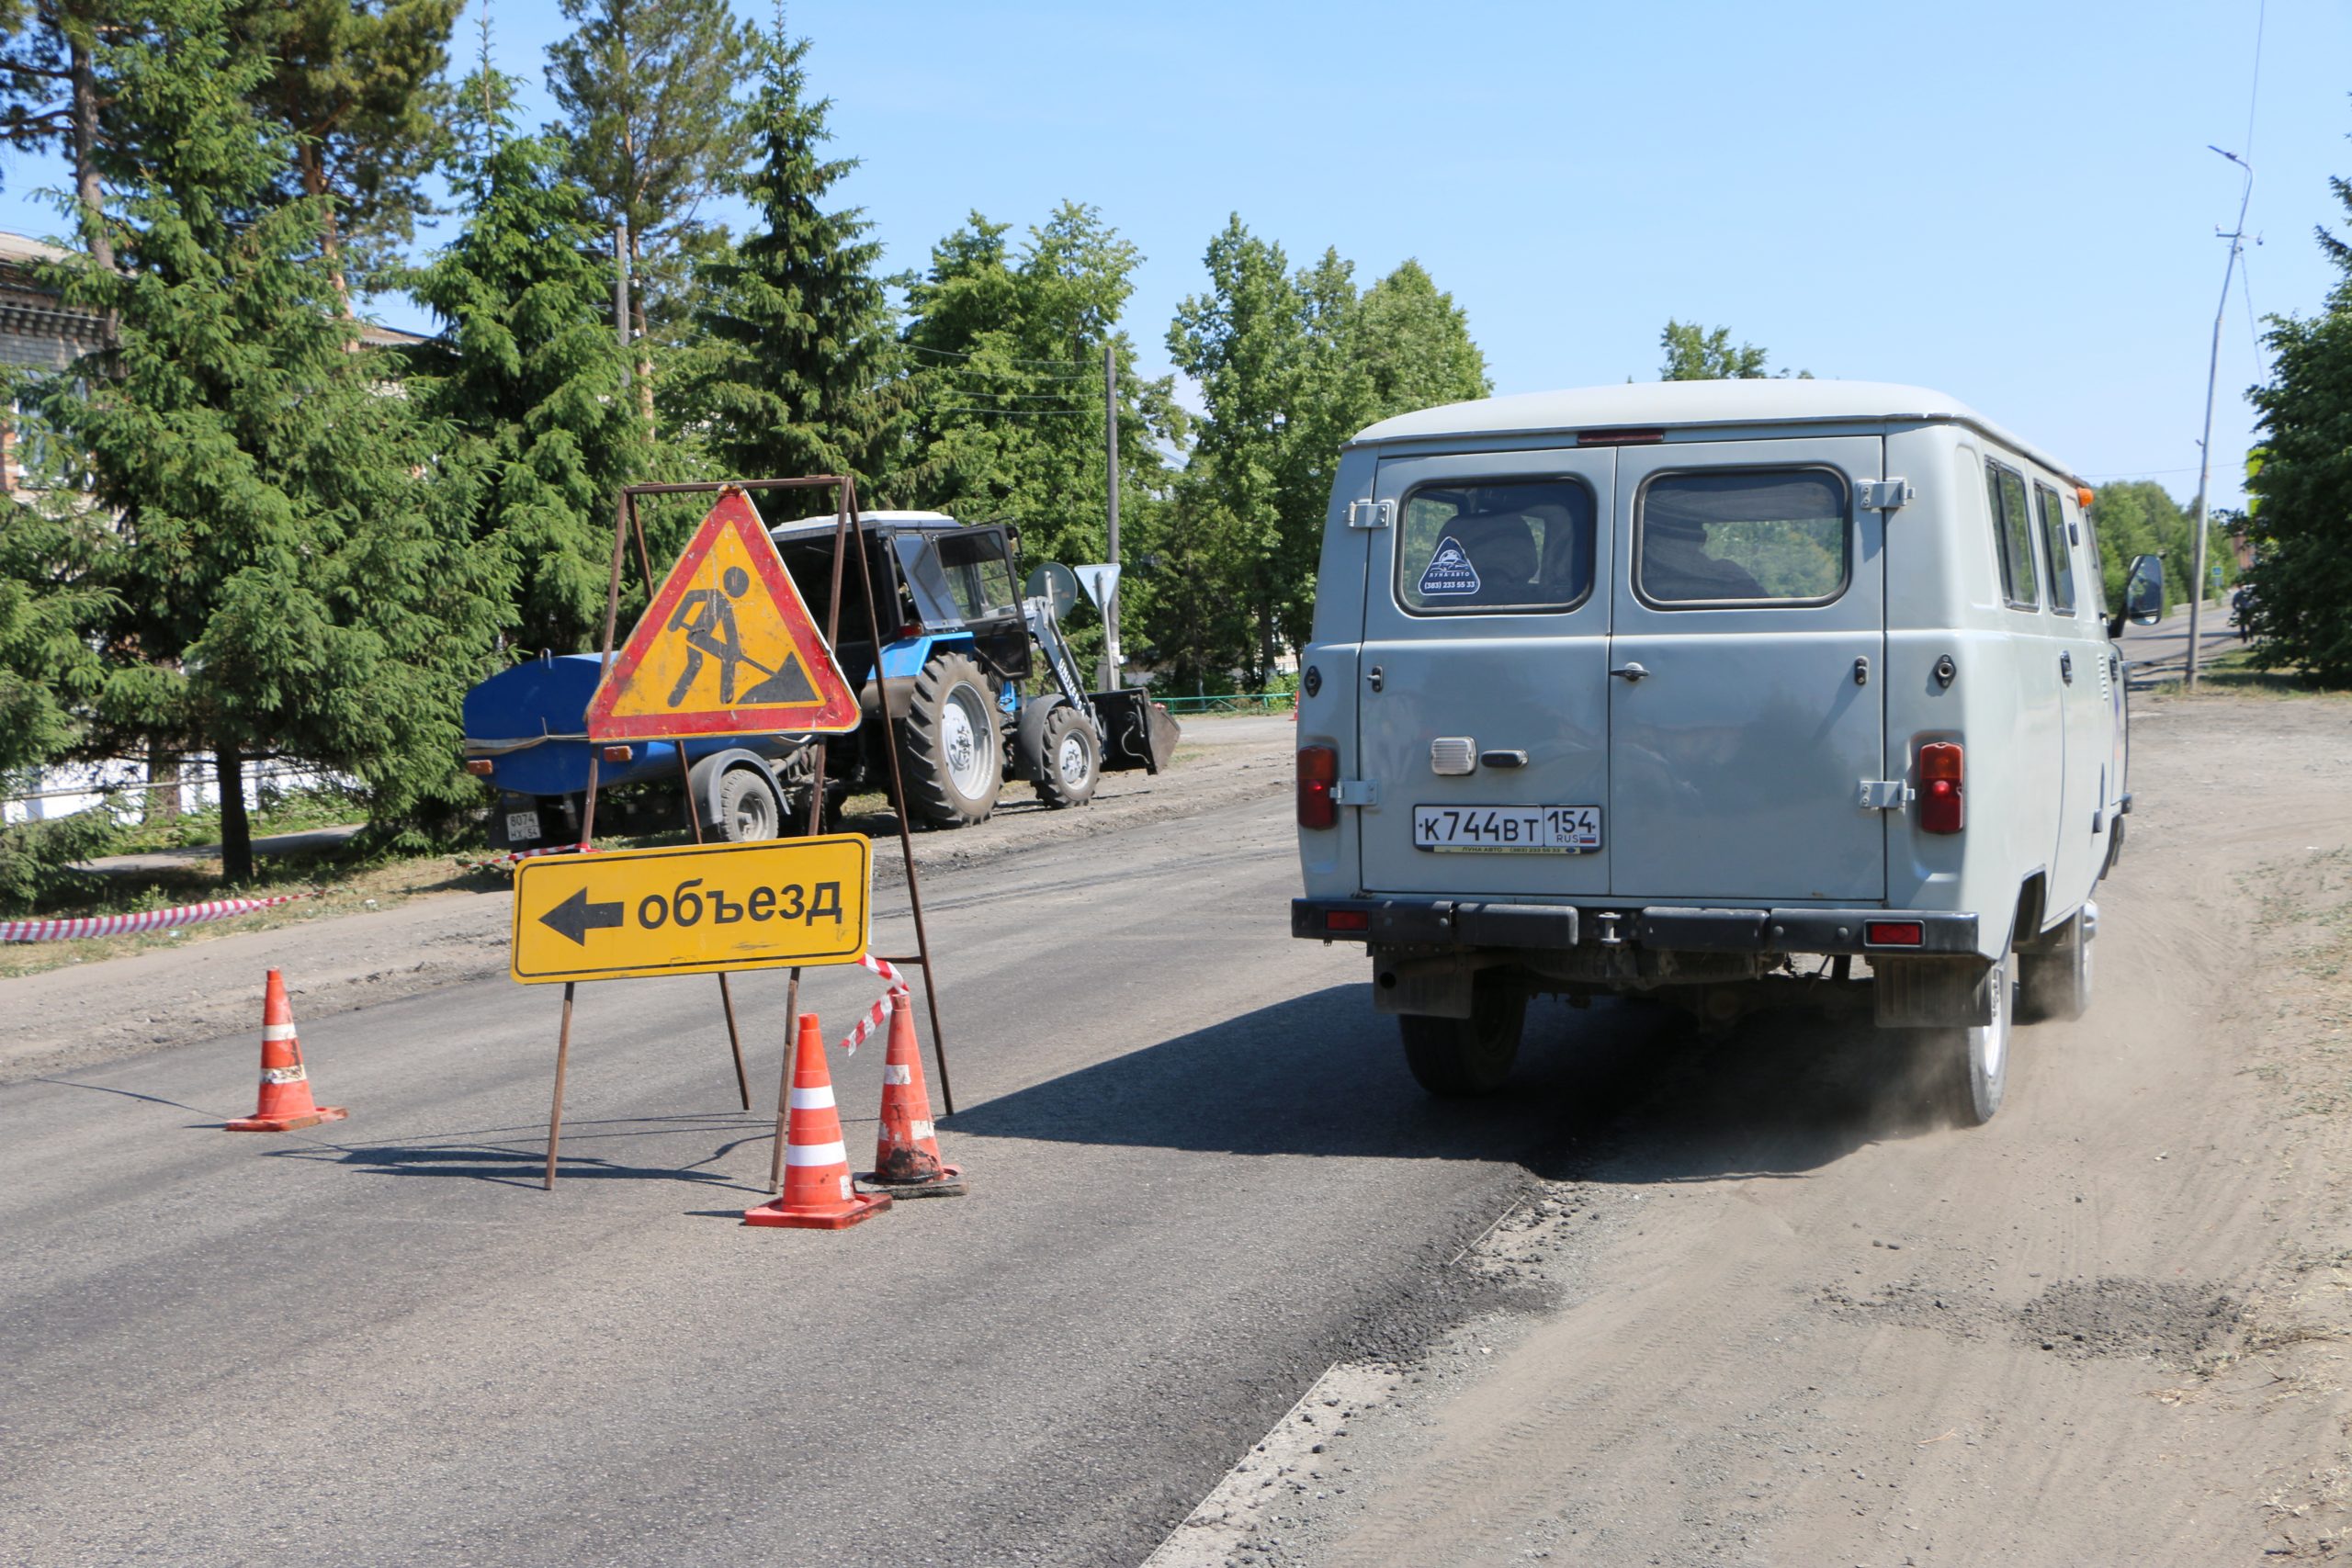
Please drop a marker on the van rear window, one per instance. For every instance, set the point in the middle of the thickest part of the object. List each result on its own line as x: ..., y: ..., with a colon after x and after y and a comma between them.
x: 1504, y: 545
x: 1742, y: 537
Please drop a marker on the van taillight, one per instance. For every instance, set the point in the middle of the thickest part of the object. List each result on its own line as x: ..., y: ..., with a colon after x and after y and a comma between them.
x: 1893, y: 933
x: 1318, y: 778
x: 1942, y: 809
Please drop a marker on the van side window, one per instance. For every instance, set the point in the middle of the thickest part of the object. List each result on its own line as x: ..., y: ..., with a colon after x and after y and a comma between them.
x: 1742, y: 536
x: 2099, y: 564
x: 2005, y: 494
x: 1488, y: 545
x: 2062, y: 559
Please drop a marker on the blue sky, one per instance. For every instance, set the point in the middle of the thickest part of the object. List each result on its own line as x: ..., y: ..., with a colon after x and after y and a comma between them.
x: 2011, y: 203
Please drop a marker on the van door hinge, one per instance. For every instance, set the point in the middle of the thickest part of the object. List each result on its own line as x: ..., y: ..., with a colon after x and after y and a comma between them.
x: 1885, y: 795
x: 1886, y: 495
x: 1356, y: 792
x: 1371, y: 514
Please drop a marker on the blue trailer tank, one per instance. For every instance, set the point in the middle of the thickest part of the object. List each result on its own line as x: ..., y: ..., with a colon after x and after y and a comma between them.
x: 530, y: 722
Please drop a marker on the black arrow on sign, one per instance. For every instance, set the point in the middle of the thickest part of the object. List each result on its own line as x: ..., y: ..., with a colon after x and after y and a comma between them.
x: 575, y: 917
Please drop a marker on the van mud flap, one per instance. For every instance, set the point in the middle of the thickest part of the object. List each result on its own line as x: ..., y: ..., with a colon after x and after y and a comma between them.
x: 1136, y: 732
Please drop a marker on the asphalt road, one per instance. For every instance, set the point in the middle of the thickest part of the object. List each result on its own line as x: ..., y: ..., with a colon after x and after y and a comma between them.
x: 1200, y: 1176
x: 2155, y: 653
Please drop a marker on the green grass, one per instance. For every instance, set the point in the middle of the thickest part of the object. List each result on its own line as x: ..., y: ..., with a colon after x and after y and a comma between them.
x: 289, y: 811
x: 2234, y: 674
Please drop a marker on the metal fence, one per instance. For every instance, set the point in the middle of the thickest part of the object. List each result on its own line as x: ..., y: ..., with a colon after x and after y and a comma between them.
x: 1239, y: 702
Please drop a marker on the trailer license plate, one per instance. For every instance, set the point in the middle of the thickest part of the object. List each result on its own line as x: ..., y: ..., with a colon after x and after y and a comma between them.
x: 522, y: 825
x: 1508, y: 830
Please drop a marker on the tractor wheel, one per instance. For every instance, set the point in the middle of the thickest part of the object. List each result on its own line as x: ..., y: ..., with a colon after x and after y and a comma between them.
x: 1073, y: 758
x: 952, y: 756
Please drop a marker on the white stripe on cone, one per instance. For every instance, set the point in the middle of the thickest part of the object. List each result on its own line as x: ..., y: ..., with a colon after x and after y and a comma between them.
x: 816, y: 1154
x: 272, y: 1031
x: 812, y: 1098
x: 294, y: 1074
x: 896, y: 1072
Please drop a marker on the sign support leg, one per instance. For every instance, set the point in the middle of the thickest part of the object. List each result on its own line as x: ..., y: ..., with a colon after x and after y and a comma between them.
x: 905, y: 841
x: 693, y: 815
x: 554, y: 1113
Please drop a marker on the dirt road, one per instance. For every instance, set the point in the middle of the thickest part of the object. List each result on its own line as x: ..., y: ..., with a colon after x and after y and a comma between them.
x: 2107, y: 1328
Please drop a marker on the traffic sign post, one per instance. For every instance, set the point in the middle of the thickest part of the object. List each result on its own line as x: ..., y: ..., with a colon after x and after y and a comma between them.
x: 692, y: 910
x: 726, y: 647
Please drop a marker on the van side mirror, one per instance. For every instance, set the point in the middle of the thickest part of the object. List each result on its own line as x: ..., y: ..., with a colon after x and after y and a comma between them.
x: 2144, y: 591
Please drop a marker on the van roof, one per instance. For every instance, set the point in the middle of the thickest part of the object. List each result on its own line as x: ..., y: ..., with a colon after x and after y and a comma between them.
x: 1683, y: 404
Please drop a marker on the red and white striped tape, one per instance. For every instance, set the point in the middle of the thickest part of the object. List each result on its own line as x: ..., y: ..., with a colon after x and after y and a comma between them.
x: 151, y: 920
x: 500, y: 863
x: 879, y: 1013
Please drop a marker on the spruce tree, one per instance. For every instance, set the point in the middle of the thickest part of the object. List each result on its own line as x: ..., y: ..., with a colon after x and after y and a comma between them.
x: 651, y: 128
x: 794, y: 369
x: 359, y: 84
x: 2302, y: 489
x: 289, y: 549
x: 528, y: 372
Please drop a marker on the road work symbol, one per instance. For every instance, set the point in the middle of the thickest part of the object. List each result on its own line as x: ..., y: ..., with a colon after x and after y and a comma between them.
x: 725, y: 648
x: 692, y: 910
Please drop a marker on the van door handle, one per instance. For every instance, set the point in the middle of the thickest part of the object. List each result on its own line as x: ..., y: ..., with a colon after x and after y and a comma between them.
x: 2066, y: 666
x: 1630, y: 672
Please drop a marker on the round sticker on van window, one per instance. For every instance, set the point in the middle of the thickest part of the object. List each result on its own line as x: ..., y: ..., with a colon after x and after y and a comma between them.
x: 1448, y: 571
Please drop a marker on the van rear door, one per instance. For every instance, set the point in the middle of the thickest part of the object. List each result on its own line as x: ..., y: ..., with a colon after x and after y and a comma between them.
x: 1482, y: 700
x: 1748, y: 671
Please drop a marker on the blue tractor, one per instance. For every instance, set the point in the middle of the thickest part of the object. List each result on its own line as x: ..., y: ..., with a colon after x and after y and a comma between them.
x: 958, y: 672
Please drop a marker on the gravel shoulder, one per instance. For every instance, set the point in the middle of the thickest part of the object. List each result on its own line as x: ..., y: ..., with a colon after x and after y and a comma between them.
x: 210, y: 983
x: 1781, y: 1319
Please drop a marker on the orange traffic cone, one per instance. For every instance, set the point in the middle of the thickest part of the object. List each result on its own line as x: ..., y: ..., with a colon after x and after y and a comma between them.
x: 817, y: 1191
x: 906, y: 1156
x: 285, y: 1101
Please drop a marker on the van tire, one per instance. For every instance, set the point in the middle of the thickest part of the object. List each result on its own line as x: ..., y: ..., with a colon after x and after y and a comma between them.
x: 1464, y: 1058
x: 953, y: 757
x: 2056, y: 983
x: 1971, y: 1067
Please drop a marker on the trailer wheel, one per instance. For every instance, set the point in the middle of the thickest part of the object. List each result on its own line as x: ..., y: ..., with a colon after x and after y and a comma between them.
x: 952, y: 756
x: 1458, y: 1058
x: 1073, y: 758
x: 749, y: 810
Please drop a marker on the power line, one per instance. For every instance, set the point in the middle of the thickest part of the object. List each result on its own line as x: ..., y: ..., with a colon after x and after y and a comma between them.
x: 2254, y: 89
x: 1017, y: 413
x: 957, y: 353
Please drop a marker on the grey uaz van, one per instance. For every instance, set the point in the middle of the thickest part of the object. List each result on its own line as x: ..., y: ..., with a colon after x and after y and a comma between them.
x: 1703, y: 688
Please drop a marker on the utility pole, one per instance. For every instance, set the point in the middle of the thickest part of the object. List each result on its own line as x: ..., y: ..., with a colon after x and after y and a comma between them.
x: 1115, y: 680
x: 621, y: 292
x: 2205, y: 447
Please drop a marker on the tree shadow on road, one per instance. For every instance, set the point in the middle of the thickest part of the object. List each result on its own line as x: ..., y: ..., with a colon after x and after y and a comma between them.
x: 1620, y: 1091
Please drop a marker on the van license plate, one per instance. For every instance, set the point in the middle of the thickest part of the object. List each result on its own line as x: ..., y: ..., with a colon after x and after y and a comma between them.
x: 522, y: 825
x: 1508, y: 830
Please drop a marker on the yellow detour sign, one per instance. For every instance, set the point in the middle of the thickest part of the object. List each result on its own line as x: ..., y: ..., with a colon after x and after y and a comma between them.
x: 693, y: 909
x: 726, y: 647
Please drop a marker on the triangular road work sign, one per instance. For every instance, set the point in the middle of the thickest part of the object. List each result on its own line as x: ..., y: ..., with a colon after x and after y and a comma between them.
x: 726, y: 647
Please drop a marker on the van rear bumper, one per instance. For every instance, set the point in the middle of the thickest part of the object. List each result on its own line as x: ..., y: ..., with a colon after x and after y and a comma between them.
x: 1473, y: 923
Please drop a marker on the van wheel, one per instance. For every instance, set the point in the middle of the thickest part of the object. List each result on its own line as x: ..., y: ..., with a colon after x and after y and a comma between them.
x: 1457, y: 1058
x: 1973, y: 1064
x: 2056, y: 983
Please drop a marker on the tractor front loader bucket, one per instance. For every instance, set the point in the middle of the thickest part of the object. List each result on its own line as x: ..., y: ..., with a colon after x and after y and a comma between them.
x: 1136, y: 732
